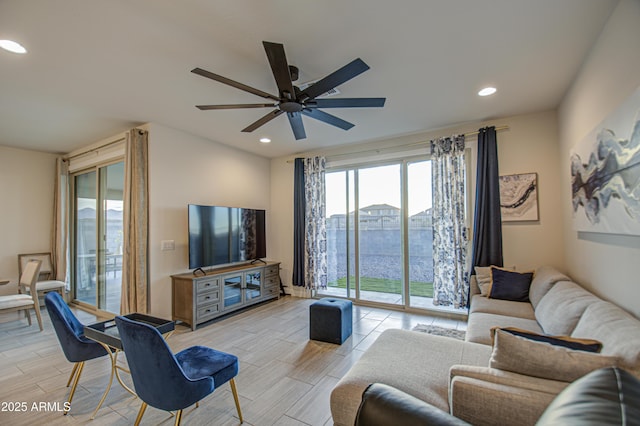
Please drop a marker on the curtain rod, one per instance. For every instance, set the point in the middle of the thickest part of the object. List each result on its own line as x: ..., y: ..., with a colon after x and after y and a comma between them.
x: 406, y: 145
x: 98, y: 148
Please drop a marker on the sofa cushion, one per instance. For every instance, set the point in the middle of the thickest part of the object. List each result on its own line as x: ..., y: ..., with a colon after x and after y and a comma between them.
x: 544, y: 278
x: 480, y: 324
x: 538, y: 359
x: 560, y: 309
x: 510, y: 285
x: 483, y: 279
x: 416, y: 363
x: 618, y: 331
x: 502, y: 307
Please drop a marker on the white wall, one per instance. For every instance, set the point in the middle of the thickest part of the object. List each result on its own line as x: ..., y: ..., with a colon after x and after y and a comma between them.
x: 529, y: 145
x: 26, y: 212
x: 186, y: 169
x: 607, y: 264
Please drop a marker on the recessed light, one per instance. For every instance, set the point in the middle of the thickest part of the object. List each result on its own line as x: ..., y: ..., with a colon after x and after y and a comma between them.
x: 487, y: 91
x: 12, y: 46
x: 265, y: 140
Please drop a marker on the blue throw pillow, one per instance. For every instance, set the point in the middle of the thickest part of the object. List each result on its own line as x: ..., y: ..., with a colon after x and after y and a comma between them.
x: 510, y: 285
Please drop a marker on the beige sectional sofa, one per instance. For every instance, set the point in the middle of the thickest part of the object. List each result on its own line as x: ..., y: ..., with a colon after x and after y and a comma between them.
x: 455, y: 376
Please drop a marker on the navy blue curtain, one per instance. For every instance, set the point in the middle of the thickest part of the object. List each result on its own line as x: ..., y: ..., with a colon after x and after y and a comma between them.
x: 298, y: 223
x: 487, y: 223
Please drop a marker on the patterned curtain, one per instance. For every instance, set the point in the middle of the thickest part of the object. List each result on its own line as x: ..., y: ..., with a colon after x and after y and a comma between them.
x: 135, y: 261
x: 315, y: 257
x: 450, y: 280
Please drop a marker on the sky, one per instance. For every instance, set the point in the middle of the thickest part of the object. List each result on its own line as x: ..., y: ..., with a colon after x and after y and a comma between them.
x: 381, y: 185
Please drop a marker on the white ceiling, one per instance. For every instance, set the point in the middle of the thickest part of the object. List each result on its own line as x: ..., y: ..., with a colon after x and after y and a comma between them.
x: 97, y: 68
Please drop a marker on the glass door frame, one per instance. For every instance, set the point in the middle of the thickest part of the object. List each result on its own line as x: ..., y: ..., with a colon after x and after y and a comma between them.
x: 100, y: 267
x: 404, y: 229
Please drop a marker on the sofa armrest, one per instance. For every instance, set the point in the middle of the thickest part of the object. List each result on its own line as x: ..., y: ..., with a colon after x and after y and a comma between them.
x: 481, y: 403
x: 507, y: 378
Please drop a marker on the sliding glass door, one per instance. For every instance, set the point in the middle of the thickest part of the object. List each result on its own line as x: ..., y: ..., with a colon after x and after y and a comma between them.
x: 379, y: 233
x: 98, y: 231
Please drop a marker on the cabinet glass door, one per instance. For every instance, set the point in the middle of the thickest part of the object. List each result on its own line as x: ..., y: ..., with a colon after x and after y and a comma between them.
x: 232, y: 290
x: 253, y: 285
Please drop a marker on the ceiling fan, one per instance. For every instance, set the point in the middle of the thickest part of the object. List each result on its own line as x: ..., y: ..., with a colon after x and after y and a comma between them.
x: 291, y: 99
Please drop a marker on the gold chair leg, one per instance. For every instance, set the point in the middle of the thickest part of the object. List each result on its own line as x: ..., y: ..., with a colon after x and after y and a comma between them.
x: 75, y: 384
x: 73, y: 373
x: 178, y: 417
x: 232, y: 382
x: 140, y: 413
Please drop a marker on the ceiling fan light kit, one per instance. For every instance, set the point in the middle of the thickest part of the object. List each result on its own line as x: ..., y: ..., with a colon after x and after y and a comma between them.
x: 292, y: 100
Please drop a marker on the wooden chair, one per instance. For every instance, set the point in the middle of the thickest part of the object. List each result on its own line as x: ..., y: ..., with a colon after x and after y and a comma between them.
x: 45, y: 280
x: 24, y: 302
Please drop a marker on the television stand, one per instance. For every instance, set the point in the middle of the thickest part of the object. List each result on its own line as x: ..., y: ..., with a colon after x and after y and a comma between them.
x: 254, y: 261
x: 200, y: 298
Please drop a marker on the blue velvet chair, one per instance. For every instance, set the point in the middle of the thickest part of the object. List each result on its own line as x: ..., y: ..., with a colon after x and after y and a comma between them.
x: 76, y: 347
x: 173, y: 382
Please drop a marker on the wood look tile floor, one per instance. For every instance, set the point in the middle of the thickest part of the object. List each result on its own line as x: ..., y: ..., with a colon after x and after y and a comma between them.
x: 285, y: 378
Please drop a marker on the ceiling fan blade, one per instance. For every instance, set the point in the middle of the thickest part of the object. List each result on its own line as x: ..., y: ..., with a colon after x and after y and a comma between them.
x: 295, y: 119
x: 336, y: 78
x: 234, y: 106
x: 327, y: 118
x: 280, y: 68
x: 265, y: 119
x: 233, y: 83
x: 346, y: 103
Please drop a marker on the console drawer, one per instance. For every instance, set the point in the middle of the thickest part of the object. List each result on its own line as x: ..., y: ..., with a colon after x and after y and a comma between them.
x: 271, y: 270
x: 208, y: 297
x: 269, y: 281
x: 207, y: 311
x: 207, y: 285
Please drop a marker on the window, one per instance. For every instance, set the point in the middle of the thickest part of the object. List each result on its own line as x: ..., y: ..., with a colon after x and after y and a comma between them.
x: 379, y: 234
x: 97, y: 236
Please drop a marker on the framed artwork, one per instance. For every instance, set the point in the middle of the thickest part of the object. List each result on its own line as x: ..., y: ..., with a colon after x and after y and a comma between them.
x: 605, y: 174
x: 519, y: 197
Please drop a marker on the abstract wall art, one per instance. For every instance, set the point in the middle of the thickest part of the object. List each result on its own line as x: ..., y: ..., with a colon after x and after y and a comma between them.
x: 605, y: 174
x: 519, y: 197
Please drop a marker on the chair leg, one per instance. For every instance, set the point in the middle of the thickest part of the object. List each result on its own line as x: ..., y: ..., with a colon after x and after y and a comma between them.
x: 75, y: 384
x: 178, y: 417
x: 232, y: 382
x: 38, y: 316
x: 73, y: 373
x: 140, y: 413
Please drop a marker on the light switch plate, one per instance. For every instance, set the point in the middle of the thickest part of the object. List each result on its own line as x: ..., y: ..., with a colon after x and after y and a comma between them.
x: 166, y: 245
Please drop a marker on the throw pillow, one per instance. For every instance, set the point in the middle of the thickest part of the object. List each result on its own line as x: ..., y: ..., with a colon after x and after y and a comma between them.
x: 483, y: 278
x: 510, y: 285
x: 586, y: 345
x: 523, y: 356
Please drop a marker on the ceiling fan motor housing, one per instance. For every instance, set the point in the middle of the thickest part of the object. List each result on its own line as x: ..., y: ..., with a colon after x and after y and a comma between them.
x: 291, y: 107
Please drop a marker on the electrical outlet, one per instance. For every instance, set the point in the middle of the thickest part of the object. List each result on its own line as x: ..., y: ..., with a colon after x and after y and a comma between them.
x: 166, y: 245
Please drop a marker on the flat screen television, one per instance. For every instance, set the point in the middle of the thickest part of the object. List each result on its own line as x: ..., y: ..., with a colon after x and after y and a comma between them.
x: 225, y: 235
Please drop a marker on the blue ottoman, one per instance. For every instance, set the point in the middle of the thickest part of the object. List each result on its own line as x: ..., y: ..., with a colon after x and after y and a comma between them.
x: 330, y: 320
